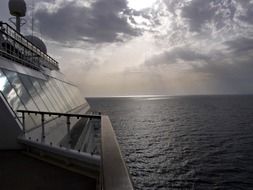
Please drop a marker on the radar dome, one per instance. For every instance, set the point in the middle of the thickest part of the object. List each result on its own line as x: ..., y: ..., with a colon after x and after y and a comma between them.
x: 17, y: 8
x: 37, y: 42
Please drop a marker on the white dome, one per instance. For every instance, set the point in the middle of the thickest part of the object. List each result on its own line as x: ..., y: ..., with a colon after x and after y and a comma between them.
x: 37, y: 42
x: 17, y: 8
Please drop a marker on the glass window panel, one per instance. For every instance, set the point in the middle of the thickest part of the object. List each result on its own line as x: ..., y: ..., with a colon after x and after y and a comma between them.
x: 61, y: 93
x: 68, y: 97
x: 9, y: 93
x: 14, y: 100
x: 36, y: 97
x: 30, y: 88
x: 23, y: 95
x: 65, y: 94
x: 48, y: 91
x: 31, y: 121
x: 43, y: 95
x: 71, y: 98
x: 57, y: 95
x: 68, y: 87
x: 21, y: 91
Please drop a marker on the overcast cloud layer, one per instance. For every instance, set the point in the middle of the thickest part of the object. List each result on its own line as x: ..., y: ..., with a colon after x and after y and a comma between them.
x: 98, y: 22
x: 217, y: 43
x: 173, y: 47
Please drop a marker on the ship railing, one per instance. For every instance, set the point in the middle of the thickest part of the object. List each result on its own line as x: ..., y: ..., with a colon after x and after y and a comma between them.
x: 114, y: 172
x: 43, y: 115
x: 15, y: 43
x: 18, y: 60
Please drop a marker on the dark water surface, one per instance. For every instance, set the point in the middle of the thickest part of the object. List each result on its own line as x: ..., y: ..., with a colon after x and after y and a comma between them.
x: 191, y: 142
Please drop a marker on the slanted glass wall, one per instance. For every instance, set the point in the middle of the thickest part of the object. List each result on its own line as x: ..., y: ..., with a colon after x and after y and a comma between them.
x: 30, y: 93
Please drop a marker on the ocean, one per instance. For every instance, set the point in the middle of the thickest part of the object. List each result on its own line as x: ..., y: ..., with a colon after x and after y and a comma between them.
x: 184, y: 142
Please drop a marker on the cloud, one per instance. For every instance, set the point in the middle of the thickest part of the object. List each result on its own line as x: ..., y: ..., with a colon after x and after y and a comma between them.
x: 207, y: 14
x: 247, y: 14
x: 177, y: 55
x: 204, y: 44
x: 229, y: 70
x: 240, y: 45
x: 200, y: 16
x: 100, y: 22
x: 198, y: 12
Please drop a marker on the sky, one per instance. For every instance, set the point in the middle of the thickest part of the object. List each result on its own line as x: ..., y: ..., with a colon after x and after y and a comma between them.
x: 147, y: 47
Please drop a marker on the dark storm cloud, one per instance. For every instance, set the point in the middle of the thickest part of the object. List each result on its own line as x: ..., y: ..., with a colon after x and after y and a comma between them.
x: 99, y: 23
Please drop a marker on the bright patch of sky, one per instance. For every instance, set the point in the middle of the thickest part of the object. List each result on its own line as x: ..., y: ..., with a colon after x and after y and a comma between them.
x: 141, y: 4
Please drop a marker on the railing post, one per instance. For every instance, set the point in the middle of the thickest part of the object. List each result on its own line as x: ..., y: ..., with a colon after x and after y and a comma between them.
x: 68, y: 128
x: 43, y: 125
x: 23, y: 120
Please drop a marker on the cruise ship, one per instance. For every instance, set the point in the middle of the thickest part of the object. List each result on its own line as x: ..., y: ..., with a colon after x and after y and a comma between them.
x: 49, y: 138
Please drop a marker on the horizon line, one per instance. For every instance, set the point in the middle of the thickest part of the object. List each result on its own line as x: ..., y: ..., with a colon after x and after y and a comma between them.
x: 164, y: 95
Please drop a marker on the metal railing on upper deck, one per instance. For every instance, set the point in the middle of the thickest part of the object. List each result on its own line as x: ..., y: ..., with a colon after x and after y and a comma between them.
x: 15, y: 45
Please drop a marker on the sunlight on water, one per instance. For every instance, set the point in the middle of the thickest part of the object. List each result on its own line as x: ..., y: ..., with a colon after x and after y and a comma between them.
x: 191, y: 142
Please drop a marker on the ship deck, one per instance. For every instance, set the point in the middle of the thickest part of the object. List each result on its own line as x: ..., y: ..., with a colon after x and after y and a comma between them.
x: 19, y: 171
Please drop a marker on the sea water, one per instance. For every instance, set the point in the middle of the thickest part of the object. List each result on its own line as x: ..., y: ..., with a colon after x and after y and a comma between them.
x: 184, y: 142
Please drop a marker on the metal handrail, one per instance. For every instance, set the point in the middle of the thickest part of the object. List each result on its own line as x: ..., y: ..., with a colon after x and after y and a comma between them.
x: 7, y: 30
x: 116, y: 177
x: 59, y: 114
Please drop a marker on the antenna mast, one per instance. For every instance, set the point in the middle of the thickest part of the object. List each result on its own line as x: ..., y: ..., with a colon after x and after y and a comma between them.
x: 18, y: 10
x: 32, y: 16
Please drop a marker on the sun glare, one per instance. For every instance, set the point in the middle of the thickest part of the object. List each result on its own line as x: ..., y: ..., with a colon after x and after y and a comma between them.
x: 140, y: 4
